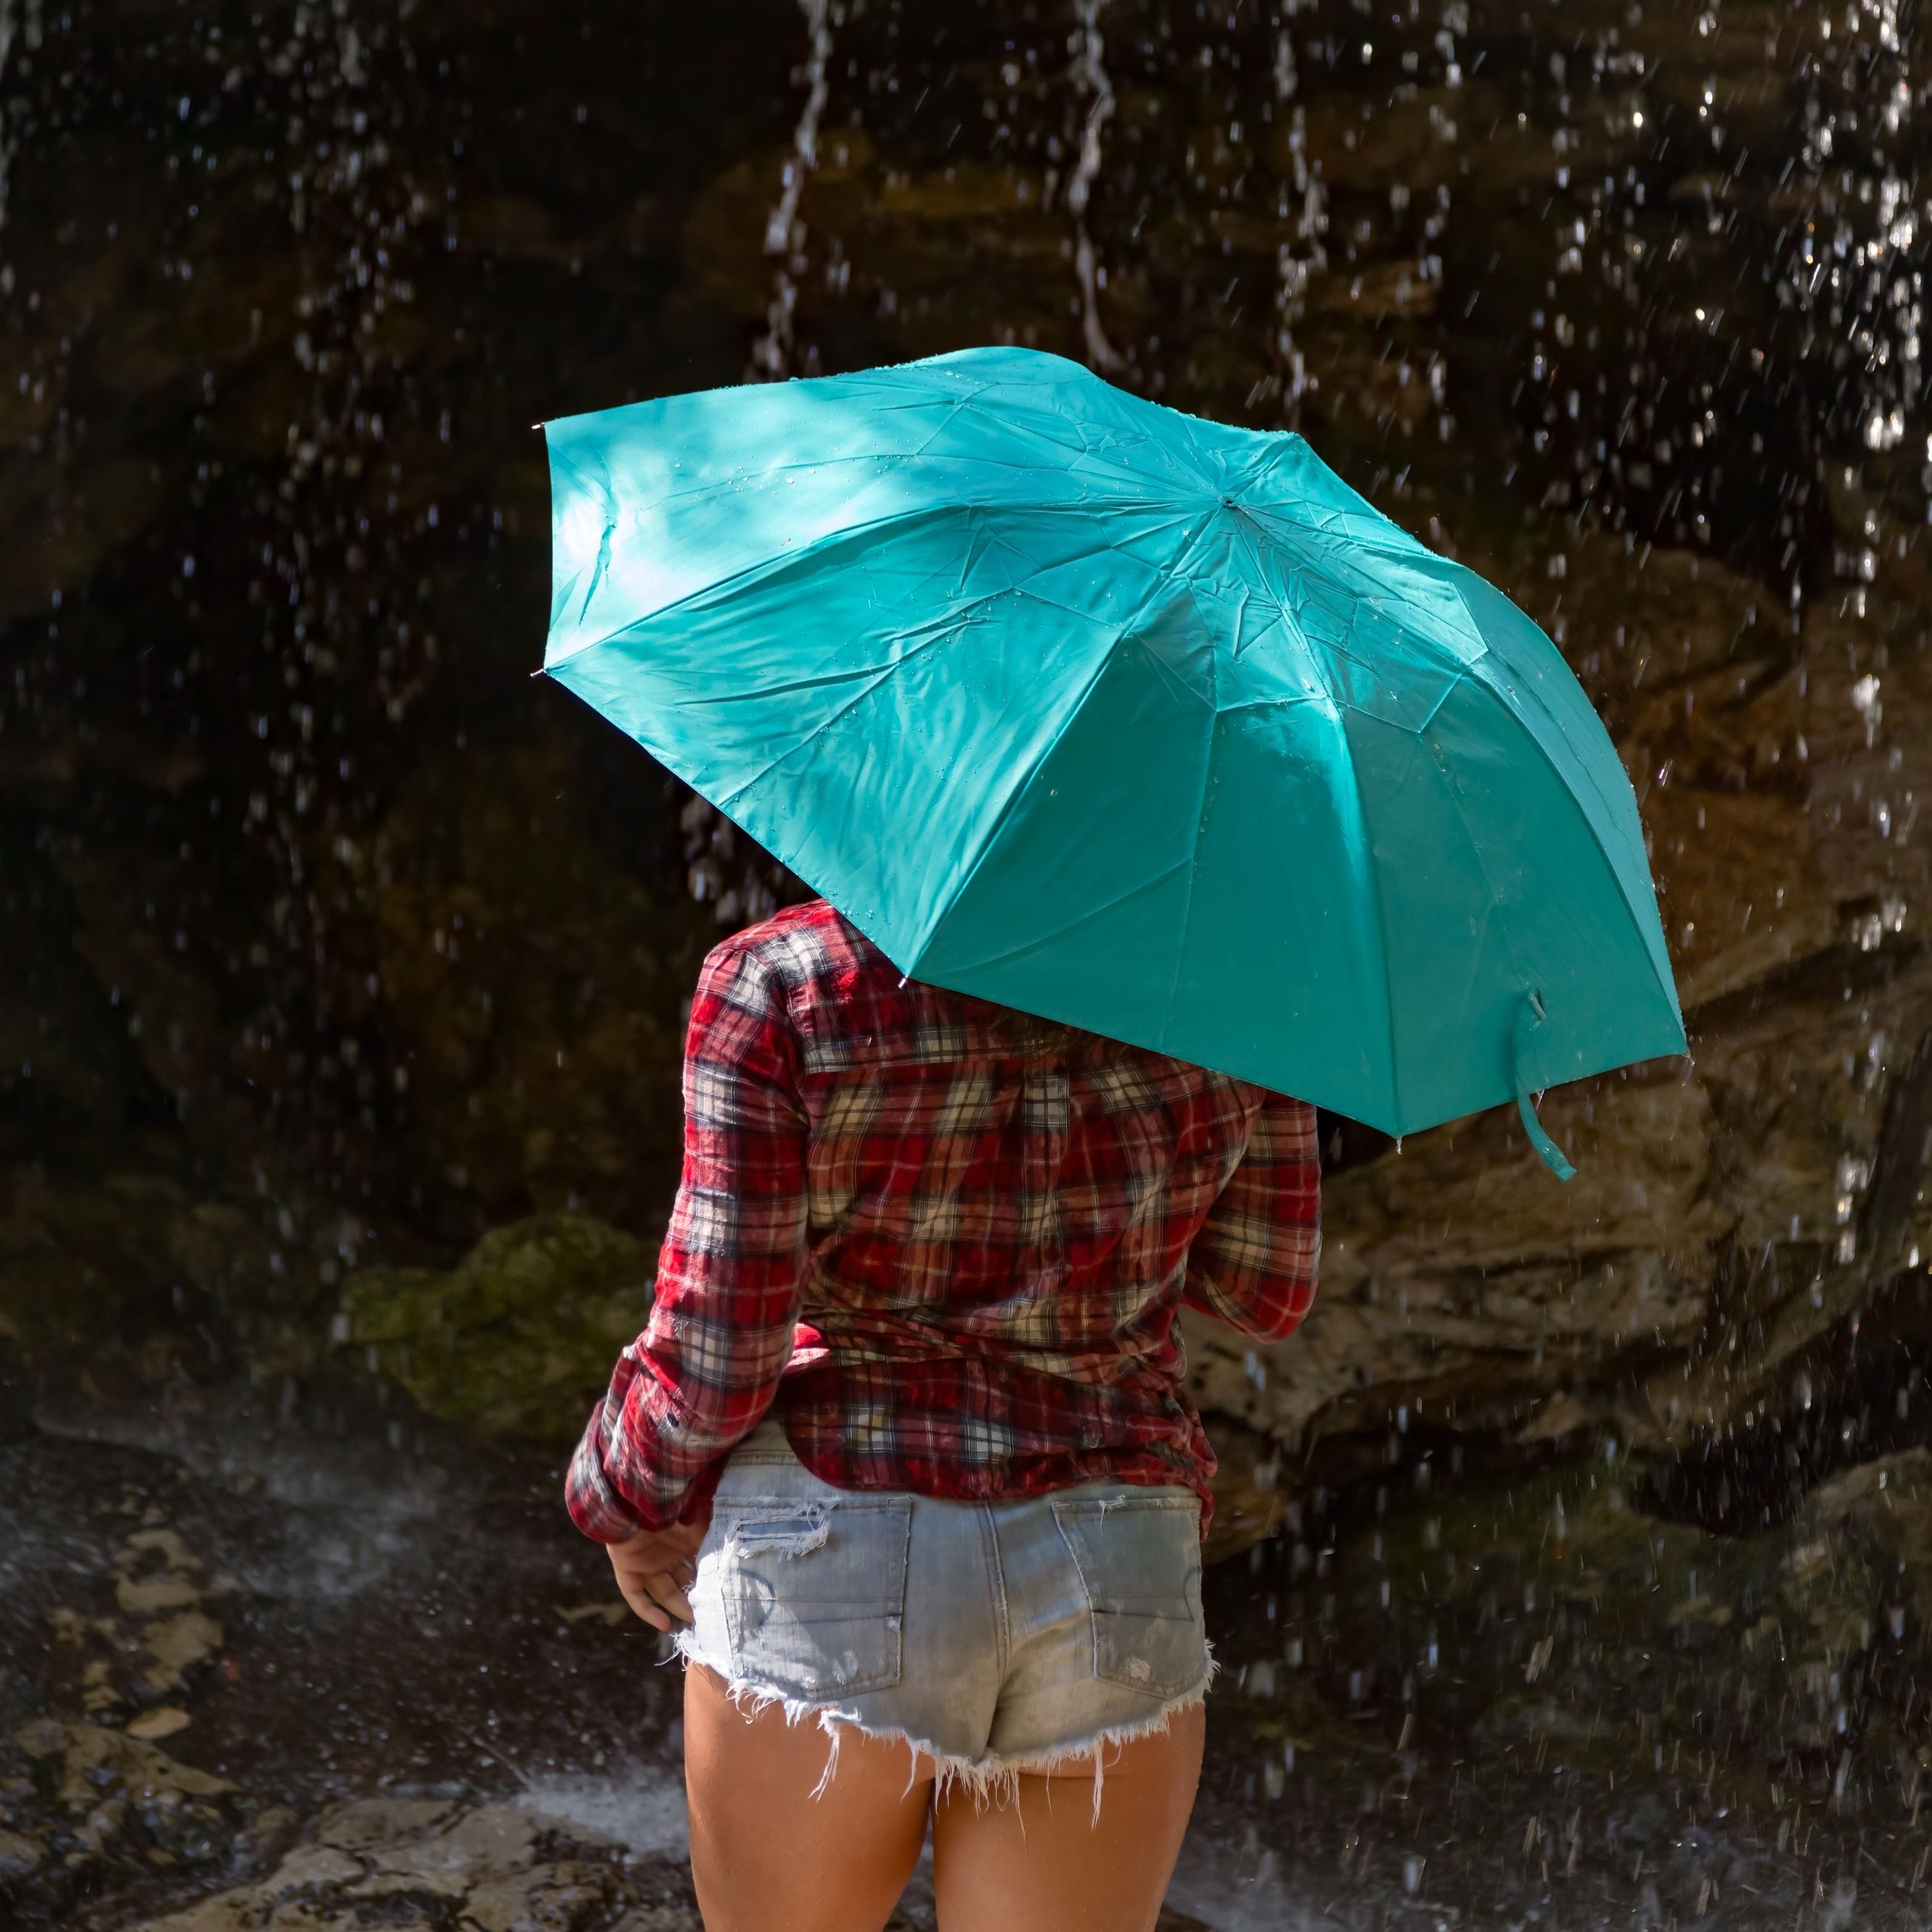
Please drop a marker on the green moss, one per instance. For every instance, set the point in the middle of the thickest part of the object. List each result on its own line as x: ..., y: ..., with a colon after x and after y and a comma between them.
x: 519, y: 1337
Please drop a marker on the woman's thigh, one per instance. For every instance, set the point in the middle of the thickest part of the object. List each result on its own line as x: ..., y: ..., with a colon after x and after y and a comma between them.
x: 765, y: 1852
x: 1044, y: 1862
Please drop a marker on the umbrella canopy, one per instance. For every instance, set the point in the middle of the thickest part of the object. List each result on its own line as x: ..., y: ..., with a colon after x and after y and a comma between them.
x: 1136, y: 722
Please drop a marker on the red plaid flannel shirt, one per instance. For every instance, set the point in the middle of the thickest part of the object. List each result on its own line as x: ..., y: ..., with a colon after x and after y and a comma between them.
x: 949, y: 1243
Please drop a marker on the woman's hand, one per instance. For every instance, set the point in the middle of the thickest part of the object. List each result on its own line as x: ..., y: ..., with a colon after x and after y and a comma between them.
x: 654, y: 1567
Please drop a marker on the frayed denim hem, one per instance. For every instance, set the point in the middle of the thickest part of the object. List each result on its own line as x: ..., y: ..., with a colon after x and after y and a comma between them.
x: 989, y: 1779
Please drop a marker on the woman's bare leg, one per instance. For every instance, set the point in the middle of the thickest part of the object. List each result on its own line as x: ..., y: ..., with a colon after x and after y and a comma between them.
x: 1044, y: 1865
x: 766, y: 1854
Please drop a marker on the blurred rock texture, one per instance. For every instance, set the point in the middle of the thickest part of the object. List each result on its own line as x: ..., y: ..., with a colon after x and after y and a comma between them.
x: 425, y: 1862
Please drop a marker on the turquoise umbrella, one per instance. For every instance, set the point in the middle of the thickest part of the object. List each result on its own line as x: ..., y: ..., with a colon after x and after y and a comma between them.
x: 1130, y: 720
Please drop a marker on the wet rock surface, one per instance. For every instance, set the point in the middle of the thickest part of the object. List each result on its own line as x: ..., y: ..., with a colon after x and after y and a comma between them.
x: 432, y: 1862
x: 227, y: 1621
x: 271, y: 1662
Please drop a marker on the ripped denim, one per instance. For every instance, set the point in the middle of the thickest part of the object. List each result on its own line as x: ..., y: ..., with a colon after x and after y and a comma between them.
x: 992, y: 1638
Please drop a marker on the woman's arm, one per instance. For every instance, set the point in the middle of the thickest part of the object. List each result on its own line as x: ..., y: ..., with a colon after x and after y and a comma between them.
x: 702, y: 1375
x: 1252, y: 1265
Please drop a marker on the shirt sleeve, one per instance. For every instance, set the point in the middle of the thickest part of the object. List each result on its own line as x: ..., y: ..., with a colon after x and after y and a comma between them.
x: 703, y: 1374
x: 1253, y: 1264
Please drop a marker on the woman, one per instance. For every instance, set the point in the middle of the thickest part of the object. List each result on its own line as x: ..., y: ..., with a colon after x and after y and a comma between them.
x: 905, y: 1448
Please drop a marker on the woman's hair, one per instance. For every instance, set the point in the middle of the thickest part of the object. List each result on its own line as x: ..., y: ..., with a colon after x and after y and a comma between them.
x: 1033, y: 1038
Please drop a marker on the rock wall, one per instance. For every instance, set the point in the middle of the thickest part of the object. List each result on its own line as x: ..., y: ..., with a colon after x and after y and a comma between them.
x: 333, y: 942
x: 1730, y: 1207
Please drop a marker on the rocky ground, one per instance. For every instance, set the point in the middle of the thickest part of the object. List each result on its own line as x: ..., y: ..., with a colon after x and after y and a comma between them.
x: 289, y: 1657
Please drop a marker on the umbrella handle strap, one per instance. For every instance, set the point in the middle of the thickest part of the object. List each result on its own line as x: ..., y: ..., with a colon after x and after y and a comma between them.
x: 1529, y: 1017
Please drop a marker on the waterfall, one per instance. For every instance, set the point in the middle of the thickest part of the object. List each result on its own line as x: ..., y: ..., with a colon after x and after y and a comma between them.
x: 1090, y: 75
x: 27, y: 27
x: 1302, y: 255
x: 1849, y: 273
x: 772, y: 353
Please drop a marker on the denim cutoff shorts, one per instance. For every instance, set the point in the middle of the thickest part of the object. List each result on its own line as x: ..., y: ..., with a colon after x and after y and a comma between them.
x: 991, y: 1638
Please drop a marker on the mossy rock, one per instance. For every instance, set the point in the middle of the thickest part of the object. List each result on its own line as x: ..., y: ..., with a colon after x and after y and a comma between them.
x: 1571, y: 1622
x: 519, y: 1337
x: 533, y: 991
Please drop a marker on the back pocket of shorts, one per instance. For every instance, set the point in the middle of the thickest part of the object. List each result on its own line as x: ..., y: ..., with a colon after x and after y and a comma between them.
x: 1139, y: 1560
x: 814, y: 1592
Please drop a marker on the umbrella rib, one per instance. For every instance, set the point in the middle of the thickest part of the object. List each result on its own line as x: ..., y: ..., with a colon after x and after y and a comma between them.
x: 1292, y: 619
x: 1244, y: 531
x: 912, y: 514
x: 1193, y: 862
x: 899, y: 459
x: 874, y: 672
x: 1009, y: 428
x: 1475, y: 848
x: 1079, y: 452
x: 1019, y: 784
x: 1442, y: 697
x: 718, y: 585
x: 1398, y: 544
x: 602, y: 566
x: 1248, y: 536
x: 1281, y: 701
x: 882, y: 673
x: 1635, y: 912
x: 1491, y: 906
x: 1193, y: 865
x: 1381, y: 935
x: 1073, y: 926
x: 724, y: 485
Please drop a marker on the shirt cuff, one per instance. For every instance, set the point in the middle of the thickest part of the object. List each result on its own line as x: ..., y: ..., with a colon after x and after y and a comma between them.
x: 595, y: 1506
